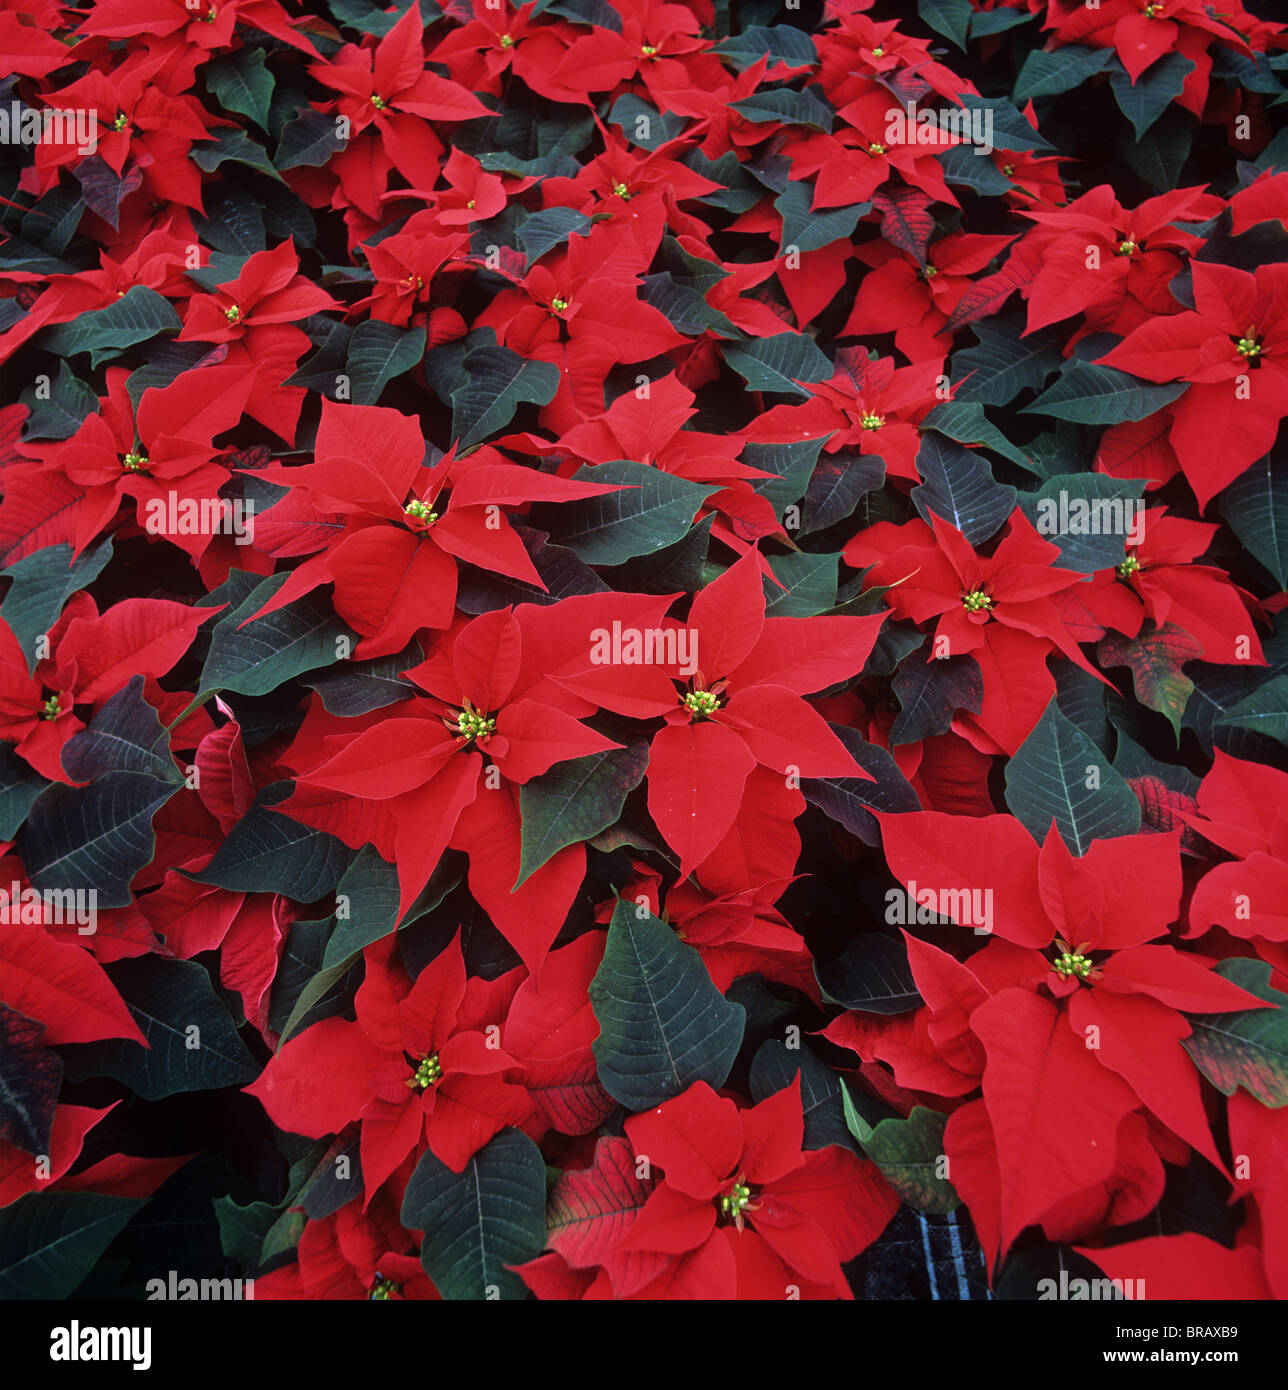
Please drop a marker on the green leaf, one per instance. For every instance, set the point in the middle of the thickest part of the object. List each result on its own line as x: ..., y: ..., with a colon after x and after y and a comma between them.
x: 951, y: 18
x: 1048, y: 74
x: 787, y: 107
x: 661, y: 125
x: 99, y: 836
x: 1089, y: 394
x: 1155, y: 658
x: 909, y: 1152
x: 574, y: 801
x: 480, y: 1223
x: 266, y: 852
x: 685, y: 307
x: 357, y: 687
x: 1003, y: 363
x: 310, y: 139
x: 1160, y: 157
x: 274, y: 649
x: 965, y: 422
x: 784, y: 44
x: 237, y: 146
x: 663, y: 1024
x: 792, y: 462
x: 809, y: 585
x: 653, y: 509
x: 931, y: 692
x: 850, y: 801
x: 1144, y: 101
x: 1058, y: 772
x: 42, y: 583
x: 551, y: 227
x: 1010, y: 128
x: 1089, y: 516
x: 805, y: 229
x: 871, y: 975
x: 777, y: 363
x: 1262, y: 711
x: 141, y: 314
x: 243, y: 84
x: 20, y: 785
x: 1256, y: 506
x: 1248, y: 1048
x: 49, y: 1241
x: 776, y: 1066
x: 168, y: 999
x: 378, y: 352
x: 497, y: 380
x: 959, y: 488
x: 839, y: 483
x: 59, y: 410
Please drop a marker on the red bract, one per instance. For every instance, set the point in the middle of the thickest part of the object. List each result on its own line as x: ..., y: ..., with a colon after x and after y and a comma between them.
x: 422, y: 1064
x: 742, y: 1210
x: 1233, y: 349
x: 744, y: 708
x: 516, y: 884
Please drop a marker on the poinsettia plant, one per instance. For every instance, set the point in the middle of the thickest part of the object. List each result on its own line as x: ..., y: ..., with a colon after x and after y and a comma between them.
x: 640, y: 642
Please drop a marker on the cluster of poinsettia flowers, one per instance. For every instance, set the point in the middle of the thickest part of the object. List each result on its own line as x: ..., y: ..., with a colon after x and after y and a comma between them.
x: 509, y: 326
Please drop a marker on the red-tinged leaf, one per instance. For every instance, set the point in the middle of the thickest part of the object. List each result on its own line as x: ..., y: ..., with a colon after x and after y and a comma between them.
x: 696, y: 774
x: 1055, y: 1111
x: 556, y: 1020
x: 590, y: 1209
x: 567, y: 1093
x: 1184, y: 1267
x: 1175, y: 979
x: 905, y: 220
x: 31, y: 1077
x: 141, y: 635
x: 1155, y: 659
x: 988, y: 294
x: 320, y: 1080
x: 63, y: 987
x: 1140, y: 1040
x: 426, y: 821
